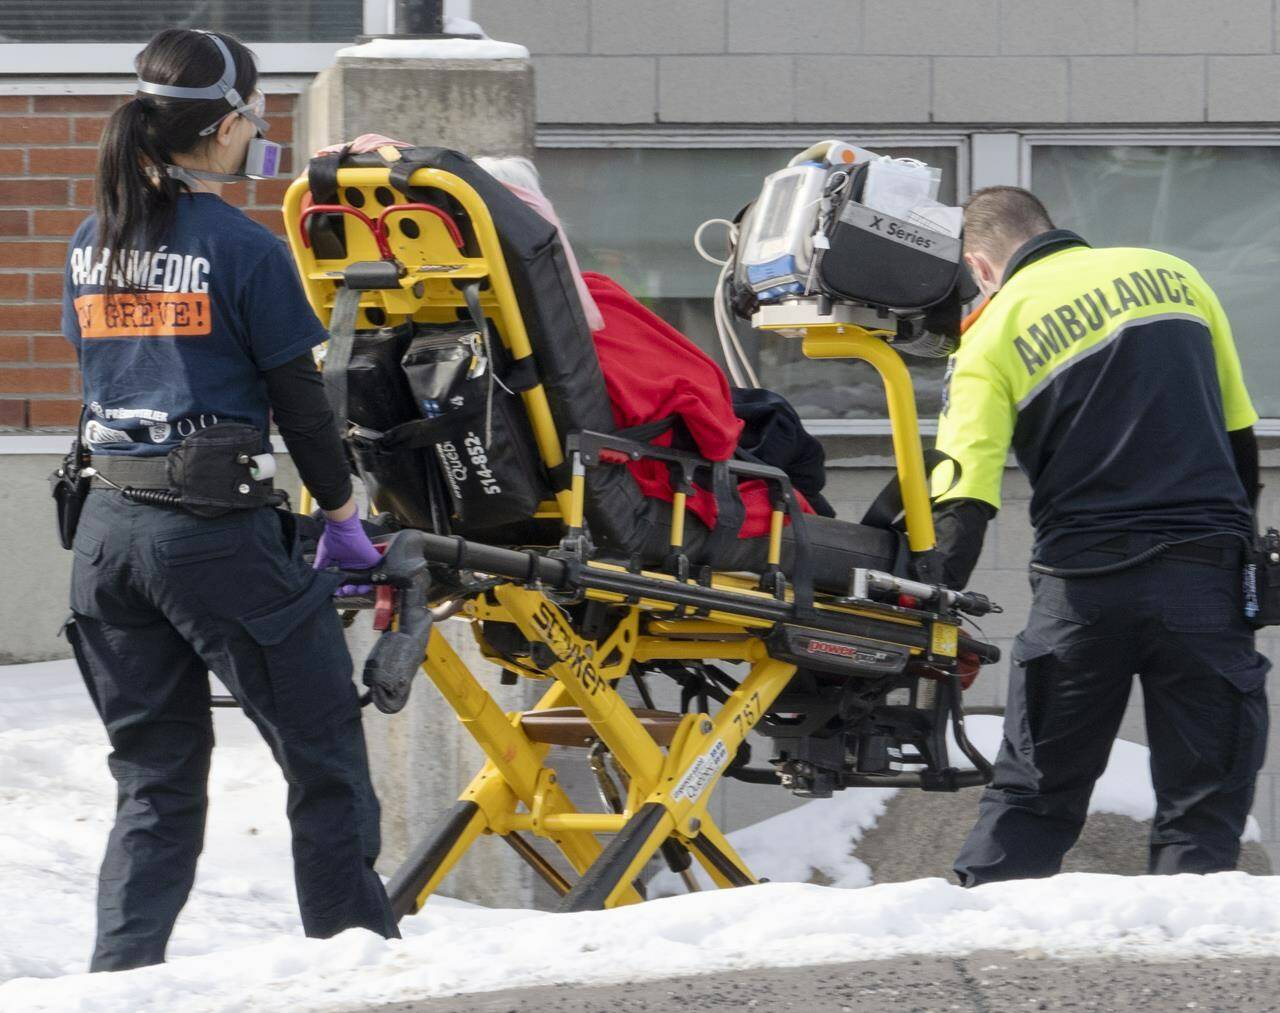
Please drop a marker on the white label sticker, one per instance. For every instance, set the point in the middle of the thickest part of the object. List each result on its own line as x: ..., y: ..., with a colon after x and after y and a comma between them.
x: 704, y: 768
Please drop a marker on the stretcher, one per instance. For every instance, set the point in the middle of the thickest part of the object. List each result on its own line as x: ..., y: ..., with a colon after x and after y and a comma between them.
x: 812, y: 636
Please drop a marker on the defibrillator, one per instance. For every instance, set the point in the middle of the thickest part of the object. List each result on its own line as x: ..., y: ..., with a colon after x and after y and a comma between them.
x: 857, y: 237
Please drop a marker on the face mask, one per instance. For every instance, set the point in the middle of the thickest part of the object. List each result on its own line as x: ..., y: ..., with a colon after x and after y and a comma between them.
x: 262, y: 159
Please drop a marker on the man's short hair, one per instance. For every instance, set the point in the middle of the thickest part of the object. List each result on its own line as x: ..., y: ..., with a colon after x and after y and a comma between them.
x: 999, y: 219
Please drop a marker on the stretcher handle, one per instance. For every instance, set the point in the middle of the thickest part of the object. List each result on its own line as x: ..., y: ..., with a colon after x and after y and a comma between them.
x: 450, y: 225
x: 401, y: 647
x: 529, y: 566
x: 379, y: 236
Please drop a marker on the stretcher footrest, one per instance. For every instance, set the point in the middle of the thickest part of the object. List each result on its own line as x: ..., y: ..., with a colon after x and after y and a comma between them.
x: 568, y: 726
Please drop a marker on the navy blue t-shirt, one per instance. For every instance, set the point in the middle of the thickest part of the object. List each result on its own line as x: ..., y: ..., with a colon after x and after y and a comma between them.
x: 219, y: 303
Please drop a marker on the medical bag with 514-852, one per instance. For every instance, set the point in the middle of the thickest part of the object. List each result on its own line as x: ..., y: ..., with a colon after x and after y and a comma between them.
x: 442, y: 391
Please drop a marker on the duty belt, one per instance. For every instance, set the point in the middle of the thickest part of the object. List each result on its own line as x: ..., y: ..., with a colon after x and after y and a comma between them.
x: 121, y: 471
x: 130, y: 472
x: 1213, y: 550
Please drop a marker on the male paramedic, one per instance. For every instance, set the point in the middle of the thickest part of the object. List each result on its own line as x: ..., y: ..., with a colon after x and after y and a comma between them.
x: 1113, y: 376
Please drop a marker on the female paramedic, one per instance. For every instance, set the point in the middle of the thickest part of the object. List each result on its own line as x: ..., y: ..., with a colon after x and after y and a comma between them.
x: 191, y: 327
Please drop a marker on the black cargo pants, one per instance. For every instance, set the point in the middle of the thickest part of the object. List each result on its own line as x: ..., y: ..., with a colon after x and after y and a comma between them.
x: 1178, y: 626
x: 159, y: 598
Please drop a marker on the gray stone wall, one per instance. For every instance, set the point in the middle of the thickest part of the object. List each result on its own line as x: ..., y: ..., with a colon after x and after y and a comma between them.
x: 989, y: 62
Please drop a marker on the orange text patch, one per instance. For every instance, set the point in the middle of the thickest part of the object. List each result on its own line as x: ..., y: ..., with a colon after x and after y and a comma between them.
x: 145, y: 315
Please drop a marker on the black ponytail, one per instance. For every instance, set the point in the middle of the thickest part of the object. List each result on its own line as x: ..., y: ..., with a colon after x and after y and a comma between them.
x: 136, y: 199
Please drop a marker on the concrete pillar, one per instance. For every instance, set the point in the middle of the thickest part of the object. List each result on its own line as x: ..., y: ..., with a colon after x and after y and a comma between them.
x: 482, y: 107
x: 37, y: 572
x: 422, y: 758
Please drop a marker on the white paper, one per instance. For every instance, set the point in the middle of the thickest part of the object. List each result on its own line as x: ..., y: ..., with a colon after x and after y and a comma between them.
x: 938, y: 217
x: 898, y: 185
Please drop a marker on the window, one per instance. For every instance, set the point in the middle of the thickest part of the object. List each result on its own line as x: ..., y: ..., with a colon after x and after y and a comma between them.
x: 1212, y: 204
x: 630, y: 213
x: 137, y: 20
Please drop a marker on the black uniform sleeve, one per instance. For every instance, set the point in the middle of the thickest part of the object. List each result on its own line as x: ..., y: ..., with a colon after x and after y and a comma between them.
x: 960, y: 526
x: 1244, y: 447
x: 302, y: 413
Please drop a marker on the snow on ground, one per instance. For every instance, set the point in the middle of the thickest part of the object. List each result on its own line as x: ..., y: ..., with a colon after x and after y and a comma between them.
x: 456, y: 949
x: 238, y: 946
x: 57, y: 802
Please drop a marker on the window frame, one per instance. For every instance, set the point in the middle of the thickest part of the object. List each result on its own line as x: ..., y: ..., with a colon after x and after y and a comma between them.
x: 789, y: 139
x: 45, y: 58
x: 1260, y: 137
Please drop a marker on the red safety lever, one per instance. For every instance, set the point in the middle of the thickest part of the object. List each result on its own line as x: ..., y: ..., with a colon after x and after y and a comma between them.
x: 454, y: 232
x: 379, y: 236
x: 384, y: 600
x: 379, y: 228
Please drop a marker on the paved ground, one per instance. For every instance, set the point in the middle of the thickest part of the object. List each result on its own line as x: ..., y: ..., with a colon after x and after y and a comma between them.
x: 921, y: 832
x: 984, y: 982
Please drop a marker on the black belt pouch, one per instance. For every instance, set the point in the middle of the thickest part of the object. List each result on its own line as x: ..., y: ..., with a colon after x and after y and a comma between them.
x: 211, y: 471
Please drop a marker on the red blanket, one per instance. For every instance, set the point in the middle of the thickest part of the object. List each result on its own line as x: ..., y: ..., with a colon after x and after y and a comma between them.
x: 652, y: 371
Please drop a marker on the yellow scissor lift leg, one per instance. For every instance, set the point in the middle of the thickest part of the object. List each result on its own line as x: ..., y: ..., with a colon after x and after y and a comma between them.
x: 513, y: 774
x: 672, y: 788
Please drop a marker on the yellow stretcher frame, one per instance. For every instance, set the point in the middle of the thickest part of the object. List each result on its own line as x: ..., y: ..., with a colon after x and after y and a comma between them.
x: 516, y: 794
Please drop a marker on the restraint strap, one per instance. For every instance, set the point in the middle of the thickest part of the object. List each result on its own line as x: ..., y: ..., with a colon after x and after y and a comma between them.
x: 521, y: 374
x: 802, y: 555
x: 337, y: 359
x: 887, y: 509
x: 730, y: 510
x: 411, y: 160
x: 646, y: 432
x: 427, y: 432
x: 327, y: 232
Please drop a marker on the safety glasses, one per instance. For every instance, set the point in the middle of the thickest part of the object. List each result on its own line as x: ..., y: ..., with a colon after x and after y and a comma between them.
x: 253, y: 110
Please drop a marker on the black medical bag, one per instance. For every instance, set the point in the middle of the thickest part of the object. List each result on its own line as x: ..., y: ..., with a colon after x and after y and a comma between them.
x: 880, y: 260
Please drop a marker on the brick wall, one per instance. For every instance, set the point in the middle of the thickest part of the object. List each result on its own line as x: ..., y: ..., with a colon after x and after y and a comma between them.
x: 48, y: 148
x: 910, y: 62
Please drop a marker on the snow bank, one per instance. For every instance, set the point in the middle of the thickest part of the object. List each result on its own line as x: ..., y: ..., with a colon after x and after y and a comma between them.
x: 455, y: 949
x: 435, y: 49
x: 238, y: 944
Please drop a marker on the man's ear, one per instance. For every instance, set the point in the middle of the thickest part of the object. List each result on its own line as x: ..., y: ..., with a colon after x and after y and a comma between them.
x: 983, y: 271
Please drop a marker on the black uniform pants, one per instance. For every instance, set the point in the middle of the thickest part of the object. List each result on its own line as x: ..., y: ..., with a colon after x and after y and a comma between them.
x: 159, y: 598
x: 1178, y: 626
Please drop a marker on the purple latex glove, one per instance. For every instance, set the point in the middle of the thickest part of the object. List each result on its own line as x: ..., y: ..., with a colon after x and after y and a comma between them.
x: 344, y: 544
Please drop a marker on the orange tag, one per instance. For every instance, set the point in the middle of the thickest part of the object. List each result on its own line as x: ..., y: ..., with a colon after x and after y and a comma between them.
x: 974, y: 314
x: 145, y: 315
